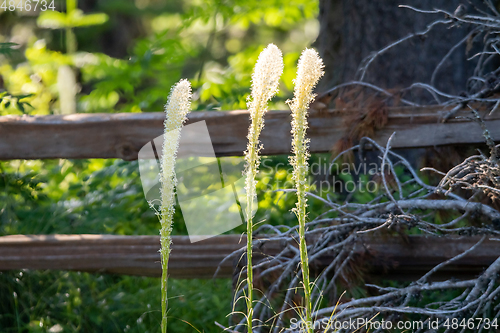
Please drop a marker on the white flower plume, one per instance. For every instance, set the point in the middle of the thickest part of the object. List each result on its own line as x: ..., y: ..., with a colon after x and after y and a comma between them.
x: 265, y: 82
x: 177, y: 108
x: 309, y: 71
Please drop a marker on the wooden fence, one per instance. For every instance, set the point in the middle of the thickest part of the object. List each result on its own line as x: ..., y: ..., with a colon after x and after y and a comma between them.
x: 122, y: 135
x: 138, y: 255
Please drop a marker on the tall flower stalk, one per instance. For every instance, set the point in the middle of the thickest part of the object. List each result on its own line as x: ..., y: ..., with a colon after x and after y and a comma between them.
x: 177, y: 108
x: 309, y: 71
x: 265, y: 79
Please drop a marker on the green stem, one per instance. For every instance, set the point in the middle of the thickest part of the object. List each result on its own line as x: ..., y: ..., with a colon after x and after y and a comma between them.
x: 71, y: 6
x: 167, y: 211
x: 70, y: 41
x: 251, y: 172
x: 165, y: 244
x: 249, y: 275
x: 304, y: 259
x: 301, y: 184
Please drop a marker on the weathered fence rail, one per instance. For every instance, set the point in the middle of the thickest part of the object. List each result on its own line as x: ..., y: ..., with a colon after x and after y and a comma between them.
x: 121, y: 135
x: 138, y: 255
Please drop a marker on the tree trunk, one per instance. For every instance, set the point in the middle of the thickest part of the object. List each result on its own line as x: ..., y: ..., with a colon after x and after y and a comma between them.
x: 350, y: 30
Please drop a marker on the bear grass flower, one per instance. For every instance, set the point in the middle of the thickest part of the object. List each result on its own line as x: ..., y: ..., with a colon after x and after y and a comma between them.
x: 265, y: 81
x: 309, y: 71
x: 176, y: 109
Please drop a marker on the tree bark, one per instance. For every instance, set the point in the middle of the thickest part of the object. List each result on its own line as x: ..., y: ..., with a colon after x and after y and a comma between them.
x: 350, y: 30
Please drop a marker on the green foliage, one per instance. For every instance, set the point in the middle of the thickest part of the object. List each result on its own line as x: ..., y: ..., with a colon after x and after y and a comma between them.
x: 6, y: 48
x: 16, y: 101
x: 37, y: 301
x: 6, y: 99
x: 74, y: 19
x: 96, y: 196
x: 214, y: 43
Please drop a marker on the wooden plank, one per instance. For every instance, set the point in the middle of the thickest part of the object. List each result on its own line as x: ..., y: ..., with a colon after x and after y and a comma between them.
x: 138, y: 255
x: 131, y: 255
x: 121, y: 135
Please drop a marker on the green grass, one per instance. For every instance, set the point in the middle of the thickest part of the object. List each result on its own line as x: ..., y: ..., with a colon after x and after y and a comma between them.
x: 35, y: 301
